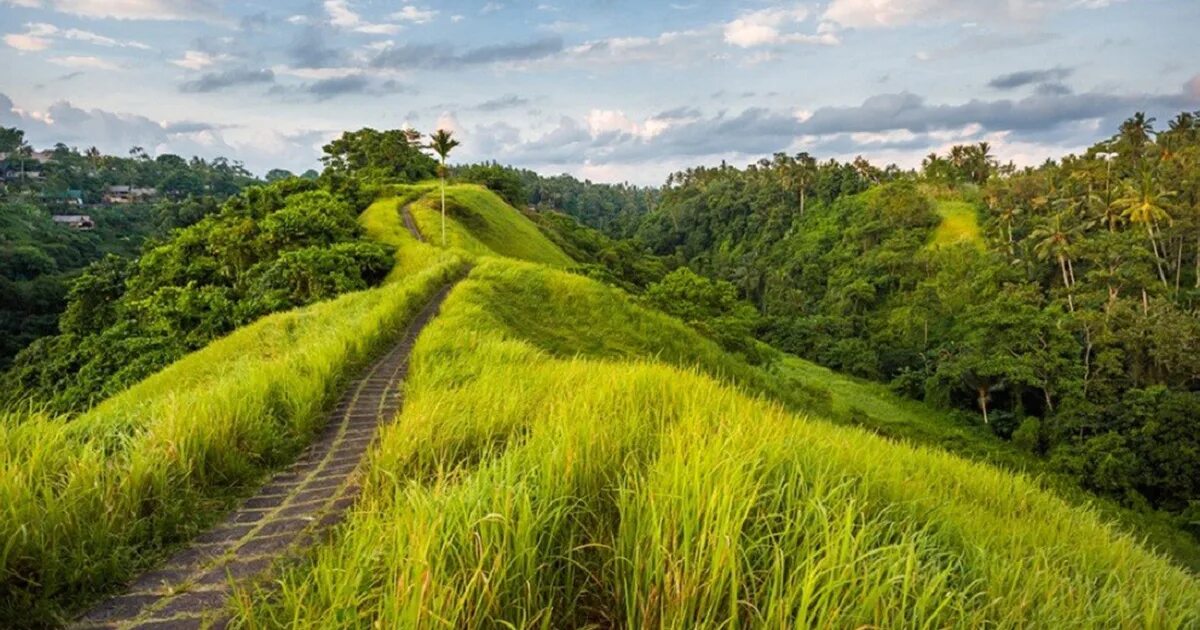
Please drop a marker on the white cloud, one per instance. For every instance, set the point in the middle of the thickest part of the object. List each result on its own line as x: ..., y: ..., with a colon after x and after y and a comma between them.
x: 892, y: 13
x: 27, y: 43
x: 775, y: 26
x: 198, y: 60
x: 195, y: 10
x: 410, y: 13
x: 449, y: 122
x: 672, y: 47
x: 84, y: 61
x: 40, y: 34
x: 343, y: 17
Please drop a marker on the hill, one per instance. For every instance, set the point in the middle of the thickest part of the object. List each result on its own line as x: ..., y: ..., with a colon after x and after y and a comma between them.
x: 566, y: 456
x: 546, y: 477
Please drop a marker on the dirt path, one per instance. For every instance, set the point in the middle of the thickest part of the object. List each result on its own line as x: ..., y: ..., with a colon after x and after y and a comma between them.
x: 406, y: 214
x: 290, y: 512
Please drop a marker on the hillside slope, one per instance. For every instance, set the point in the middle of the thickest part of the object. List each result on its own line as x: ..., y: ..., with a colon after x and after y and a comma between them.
x: 480, y: 222
x: 566, y: 479
x: 565, y: 457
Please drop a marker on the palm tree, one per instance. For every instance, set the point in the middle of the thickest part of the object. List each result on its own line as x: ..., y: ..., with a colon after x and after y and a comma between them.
x: 1146, y: 203
x: 1054, y: 239
x: 442, y: 143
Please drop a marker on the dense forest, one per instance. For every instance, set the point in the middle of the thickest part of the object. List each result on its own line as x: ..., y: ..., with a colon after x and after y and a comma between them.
x: 206, y: 267
x: 1058, y: 305
x: 39, y: 259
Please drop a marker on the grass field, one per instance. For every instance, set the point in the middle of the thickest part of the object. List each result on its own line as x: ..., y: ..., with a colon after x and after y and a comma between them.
x: 960, y: 224
x: 577, y: 484
x: 86, y: 501
x: 480, y: 222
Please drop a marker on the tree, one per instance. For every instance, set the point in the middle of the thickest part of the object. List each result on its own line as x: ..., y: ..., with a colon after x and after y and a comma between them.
x: 1054, y: 239
x: 1145, y: 202
x: 393, y: 154
x: 442, y: 143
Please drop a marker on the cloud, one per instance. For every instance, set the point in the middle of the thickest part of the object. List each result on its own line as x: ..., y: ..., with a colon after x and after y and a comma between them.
x: 40, y: 35
x: 114, y: 133
x: 214, y: 81
x: 1015, y: 80
x: 893, y: 13
x: 84, y: 61
x: 507, y: 101
x: 309, y: 50
x: 27, y: 43
x: 193, y: 10
x: 198, y: 59
x: 675, y: 47
x: 442, y: 56
x: 410, y: 13
x: 333, y: 87
x: 774, y: 26
x: 343, y: 17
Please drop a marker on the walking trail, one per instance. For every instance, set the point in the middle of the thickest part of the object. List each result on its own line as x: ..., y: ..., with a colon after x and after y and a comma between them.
x: 291, y: 512
x: 410, y: 224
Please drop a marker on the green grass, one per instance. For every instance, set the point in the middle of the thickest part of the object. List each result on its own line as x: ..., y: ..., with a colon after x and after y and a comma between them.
x: 572, y: 483
x: 874, y: 407
x: 960, y: 224
x: 480, y: 222
x: 86, y: 501
x: 382, y: 222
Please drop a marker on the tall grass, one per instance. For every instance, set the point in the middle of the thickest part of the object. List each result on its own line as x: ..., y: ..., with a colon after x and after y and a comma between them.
x: 480, y: 222
x: 382, y: 222
x: 86, y: 501
x: 960, y: 224
x: 524, y: 486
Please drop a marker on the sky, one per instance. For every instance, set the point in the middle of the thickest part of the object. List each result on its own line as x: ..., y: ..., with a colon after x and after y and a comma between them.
x: 602, y: 89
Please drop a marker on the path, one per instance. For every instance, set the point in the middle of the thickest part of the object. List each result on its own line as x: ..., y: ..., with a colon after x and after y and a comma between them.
x: 410, y: 224
x: 288, y: 513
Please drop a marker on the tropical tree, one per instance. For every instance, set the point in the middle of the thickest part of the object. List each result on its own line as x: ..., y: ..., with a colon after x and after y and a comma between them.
x: 1053, y: 239
x: 1145, y: 202
x: 442, y: 142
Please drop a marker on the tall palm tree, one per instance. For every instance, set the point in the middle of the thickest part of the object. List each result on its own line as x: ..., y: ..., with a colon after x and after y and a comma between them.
x: 1145, y: 202
x: 442, y: 143
x: 1054, y: 238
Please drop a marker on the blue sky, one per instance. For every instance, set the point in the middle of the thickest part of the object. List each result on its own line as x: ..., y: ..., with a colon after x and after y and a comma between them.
x: 605, y: 89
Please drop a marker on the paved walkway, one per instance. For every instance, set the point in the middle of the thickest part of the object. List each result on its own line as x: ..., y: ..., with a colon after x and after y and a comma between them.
x: 406, y: 214
x: 290, y: 512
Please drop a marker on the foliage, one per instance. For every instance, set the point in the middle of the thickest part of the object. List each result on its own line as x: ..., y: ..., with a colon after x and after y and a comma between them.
x: 498, y: 179
x: 584, y: 485
x: 1055, y: 293
x: 89, y: 500
x: 712, y: 307
x: 268, y: 249
x: 392, y: 155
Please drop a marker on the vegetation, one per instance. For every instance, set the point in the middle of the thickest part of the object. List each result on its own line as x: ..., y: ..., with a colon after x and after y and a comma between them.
x: 86, y: 501
x: 524, y: 486
x: 481, y: 223
x: 39, y: 259
x: 441, y: 143
x: 269, y: 249
x: 1058, y: 303
x: 595, y: 433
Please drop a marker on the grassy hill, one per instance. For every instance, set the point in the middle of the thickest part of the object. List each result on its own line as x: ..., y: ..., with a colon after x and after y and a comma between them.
x: 480, y: 222
x: 611, y: 476
x: 960, y: 224
x: 565, y: 457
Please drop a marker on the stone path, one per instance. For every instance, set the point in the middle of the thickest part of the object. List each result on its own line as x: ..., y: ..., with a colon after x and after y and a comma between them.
x: 290, y: 512
x: 410, y: 224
